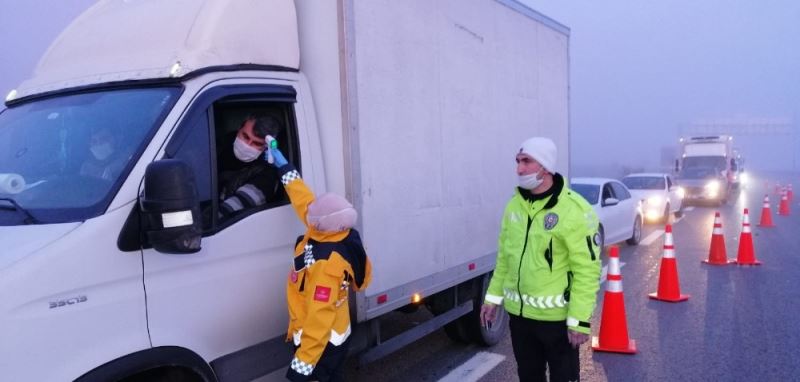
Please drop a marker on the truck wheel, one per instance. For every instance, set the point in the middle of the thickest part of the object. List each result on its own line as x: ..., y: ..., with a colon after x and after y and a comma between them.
x: 472, y: 321
x: 457, y: 332
x: 441, y: 303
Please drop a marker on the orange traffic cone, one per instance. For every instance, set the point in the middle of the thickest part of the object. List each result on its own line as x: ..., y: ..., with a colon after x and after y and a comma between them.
x: 613, y: 324
x: 783, y: 209
x: 669, y: 288
x: 746, y: 254
x: 717, y: 254
x: 766, y: 214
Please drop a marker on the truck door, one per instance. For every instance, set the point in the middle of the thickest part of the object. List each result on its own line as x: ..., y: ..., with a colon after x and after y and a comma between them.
x: 230, y: 297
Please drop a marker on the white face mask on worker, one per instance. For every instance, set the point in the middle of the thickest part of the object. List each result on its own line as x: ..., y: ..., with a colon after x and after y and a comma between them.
x: 245, y: 152
x: 529, y: 182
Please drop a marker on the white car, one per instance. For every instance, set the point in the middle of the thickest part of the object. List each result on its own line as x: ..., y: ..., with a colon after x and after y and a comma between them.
x: 659, y: 194
x: 620, y: 214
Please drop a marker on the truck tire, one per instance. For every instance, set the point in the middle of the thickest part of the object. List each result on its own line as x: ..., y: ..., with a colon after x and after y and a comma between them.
x: 472, y: 321
x: 441, y: 303
x: 457, y: 332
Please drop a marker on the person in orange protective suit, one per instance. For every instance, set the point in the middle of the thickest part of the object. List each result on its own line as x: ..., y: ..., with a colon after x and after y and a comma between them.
x: 329, y: 261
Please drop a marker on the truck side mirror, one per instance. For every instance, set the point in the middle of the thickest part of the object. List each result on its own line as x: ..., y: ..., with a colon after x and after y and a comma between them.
x: 170, y: 207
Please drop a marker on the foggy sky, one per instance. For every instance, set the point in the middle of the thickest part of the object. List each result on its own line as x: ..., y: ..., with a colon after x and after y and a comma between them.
x: 641, y: 72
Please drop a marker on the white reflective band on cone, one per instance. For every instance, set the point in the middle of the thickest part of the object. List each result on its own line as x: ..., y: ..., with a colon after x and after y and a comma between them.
x: 613, y: 266
x: 614, y: 286
x: 669, y: 254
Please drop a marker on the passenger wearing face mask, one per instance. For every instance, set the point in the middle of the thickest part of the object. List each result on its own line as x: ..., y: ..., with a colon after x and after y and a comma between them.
x: 103, y: 161
x: 548, y: 268
x: 245, y: 181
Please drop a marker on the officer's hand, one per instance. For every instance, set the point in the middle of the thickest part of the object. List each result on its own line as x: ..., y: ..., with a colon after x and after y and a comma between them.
x: 488, y: 313
x: 278, y: 159
x: 576, y: 339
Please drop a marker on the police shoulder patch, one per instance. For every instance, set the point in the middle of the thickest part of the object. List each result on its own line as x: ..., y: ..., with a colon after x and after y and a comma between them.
x: 550, y: 221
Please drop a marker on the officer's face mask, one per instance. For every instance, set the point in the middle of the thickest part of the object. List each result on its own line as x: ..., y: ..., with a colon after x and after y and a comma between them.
x: 102, y: 151
x: 531, y: 181
x: 245, y: 152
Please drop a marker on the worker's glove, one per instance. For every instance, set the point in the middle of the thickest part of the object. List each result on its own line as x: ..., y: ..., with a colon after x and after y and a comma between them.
x: 277, y: 158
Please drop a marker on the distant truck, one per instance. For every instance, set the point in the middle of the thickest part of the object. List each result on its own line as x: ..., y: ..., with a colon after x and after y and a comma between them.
x: 412, y: 109
x: 707, y: 168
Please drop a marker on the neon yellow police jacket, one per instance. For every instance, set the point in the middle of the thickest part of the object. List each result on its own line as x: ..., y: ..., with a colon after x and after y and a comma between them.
x: 548, y: 260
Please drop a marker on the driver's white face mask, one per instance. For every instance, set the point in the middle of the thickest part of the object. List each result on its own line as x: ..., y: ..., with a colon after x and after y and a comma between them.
x: 102, y: 151
x: 245, y: 152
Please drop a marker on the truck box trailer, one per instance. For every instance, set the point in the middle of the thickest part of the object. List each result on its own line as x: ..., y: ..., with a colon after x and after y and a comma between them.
x: 413, y: 110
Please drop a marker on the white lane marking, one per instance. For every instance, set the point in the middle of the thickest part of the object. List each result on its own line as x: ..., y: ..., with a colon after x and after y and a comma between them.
x: 475, y: 368
x: 604, y: 272
x: 653, y: 236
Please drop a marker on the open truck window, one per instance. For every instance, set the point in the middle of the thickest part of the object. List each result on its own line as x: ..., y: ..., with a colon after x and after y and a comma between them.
x: 230, y: 189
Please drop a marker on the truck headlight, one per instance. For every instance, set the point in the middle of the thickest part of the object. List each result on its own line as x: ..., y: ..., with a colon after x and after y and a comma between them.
x: 712, y: 188
x: 743, y: 179
x: 681, y: 192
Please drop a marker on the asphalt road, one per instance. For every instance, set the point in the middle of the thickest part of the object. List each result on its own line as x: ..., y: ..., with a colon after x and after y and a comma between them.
x: 740, y: 323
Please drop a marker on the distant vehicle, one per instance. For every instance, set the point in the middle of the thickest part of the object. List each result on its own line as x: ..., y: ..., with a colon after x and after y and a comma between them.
x: 660, y: 195
x: 703, y: 184
x: 715, y: 152
x: 620, y: 214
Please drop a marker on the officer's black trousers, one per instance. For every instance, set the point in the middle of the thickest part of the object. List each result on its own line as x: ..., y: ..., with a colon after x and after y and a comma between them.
x: 541, y: 344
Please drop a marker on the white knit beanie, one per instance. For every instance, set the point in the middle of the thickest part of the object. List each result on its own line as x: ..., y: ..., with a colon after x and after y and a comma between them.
x: 331, y: 213
x: 543, y: 150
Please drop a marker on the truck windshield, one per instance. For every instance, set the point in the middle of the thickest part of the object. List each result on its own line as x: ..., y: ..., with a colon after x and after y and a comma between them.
x: 705, y: 161
x: 698, y: 172
x: 63, y: 158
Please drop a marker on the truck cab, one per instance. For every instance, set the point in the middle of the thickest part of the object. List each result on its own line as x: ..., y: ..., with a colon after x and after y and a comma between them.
x: 115, y: 205
x: 707, y: 169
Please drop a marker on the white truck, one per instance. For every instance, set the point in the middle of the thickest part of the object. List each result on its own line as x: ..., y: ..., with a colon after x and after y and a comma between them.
x: 411, y: 109
x: 707, y: 169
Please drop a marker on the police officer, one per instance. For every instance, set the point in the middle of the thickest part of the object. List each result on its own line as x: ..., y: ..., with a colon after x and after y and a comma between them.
x: 548, y: 268
x: 329, y: 261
